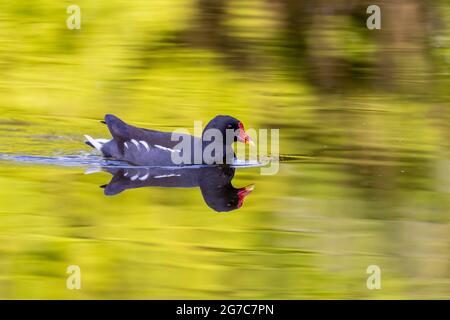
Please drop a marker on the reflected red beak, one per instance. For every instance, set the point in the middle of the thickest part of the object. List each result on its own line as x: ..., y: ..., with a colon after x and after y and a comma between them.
x: 243, y: 136
x: 243, y: 192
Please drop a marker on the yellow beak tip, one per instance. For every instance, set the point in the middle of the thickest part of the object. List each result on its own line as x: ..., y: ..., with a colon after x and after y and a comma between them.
x: 250, y: 187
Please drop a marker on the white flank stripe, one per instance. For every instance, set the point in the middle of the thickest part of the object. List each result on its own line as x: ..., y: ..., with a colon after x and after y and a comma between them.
x: 135, y: 143
x: 143, y: 177
x: 145, y: 144
x: 167, y: 149
x: 167, y: 176
x: 125, y: 144
x: 134, y: 177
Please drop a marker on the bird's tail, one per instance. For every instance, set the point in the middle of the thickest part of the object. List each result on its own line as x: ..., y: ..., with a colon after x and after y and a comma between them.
x: 95, y: 143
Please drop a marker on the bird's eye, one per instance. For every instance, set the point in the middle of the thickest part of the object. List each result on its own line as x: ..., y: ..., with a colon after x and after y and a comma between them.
x: 229, y: 126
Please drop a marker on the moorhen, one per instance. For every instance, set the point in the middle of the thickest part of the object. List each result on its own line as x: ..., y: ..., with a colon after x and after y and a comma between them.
x: 214, y: 183
x: 144, y: 147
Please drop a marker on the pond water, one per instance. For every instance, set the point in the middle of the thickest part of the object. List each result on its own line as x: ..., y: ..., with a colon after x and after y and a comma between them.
x: 309, y: 231
x: 364, y: 177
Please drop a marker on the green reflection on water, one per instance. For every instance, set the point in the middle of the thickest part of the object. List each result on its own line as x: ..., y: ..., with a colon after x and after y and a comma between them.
x: 369, y: 112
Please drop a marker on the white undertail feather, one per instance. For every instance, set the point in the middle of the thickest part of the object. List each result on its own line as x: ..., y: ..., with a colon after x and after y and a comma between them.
x: 93, y: 169
x: 97, y: 143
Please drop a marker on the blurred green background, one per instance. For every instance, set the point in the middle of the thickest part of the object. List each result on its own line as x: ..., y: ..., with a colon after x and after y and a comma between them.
x: 368, y: 110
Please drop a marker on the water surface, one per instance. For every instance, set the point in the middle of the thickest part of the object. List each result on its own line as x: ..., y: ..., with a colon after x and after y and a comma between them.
x: 364, y: 138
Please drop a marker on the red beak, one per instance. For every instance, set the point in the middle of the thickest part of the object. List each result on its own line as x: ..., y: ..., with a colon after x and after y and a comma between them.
x: 243, y: 192
x: 243, y: 136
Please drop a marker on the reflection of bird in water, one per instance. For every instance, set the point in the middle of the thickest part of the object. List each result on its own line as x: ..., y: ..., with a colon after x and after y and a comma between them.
x: 145, y: 147
x: 214, y: 182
